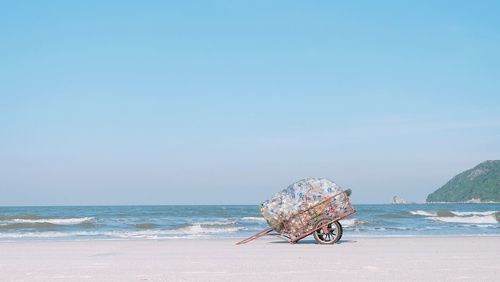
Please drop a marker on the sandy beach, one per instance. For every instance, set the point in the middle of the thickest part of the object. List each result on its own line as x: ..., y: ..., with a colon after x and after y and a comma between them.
x: 396, y: 259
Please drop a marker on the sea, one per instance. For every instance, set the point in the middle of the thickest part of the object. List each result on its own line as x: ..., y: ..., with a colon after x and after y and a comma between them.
x: 235, y: 221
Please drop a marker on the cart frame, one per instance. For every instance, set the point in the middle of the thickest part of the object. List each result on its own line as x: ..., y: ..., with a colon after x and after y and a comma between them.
x: 307, y: 220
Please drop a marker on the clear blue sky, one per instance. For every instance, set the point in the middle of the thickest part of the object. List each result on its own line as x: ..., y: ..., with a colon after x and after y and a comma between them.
x: 227, y: 102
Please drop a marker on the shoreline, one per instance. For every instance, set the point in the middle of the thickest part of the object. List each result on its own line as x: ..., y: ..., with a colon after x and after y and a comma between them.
x: 415, y: 258
x: 239, y: 238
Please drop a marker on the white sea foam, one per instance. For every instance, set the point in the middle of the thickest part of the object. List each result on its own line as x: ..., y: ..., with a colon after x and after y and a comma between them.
x: 220, y: 222
x: 58, y: 221
x: 351, y: 222
x: 184, y: 232
x: 423, y: 213
x: 485, y: 225
x: 253, y: 219
x: 473, y: 213
x: 199, y: 229
x: 488, y: 219
x: 194, y: 229
x: 47, y: 234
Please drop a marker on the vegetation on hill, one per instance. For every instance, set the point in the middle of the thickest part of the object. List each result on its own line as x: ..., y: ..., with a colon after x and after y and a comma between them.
x: 481, y: 183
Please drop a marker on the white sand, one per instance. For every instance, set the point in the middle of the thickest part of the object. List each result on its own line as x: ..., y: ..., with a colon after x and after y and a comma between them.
x: 397, y: 259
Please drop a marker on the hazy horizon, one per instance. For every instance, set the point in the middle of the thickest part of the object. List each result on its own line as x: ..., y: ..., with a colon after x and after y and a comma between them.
x: 218, y: 102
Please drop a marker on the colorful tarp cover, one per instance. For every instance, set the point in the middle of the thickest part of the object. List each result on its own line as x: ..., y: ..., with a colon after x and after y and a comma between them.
x: 299, y: 196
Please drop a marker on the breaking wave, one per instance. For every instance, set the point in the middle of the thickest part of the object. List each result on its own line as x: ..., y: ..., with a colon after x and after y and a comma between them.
x: 55, y: 221
x: 451, y: 213
x: 423, y: 213
x: 197, y: 229
x: 190, y: 222
x: 216, y: 223
x: 13, y: 223
x: 194, y: 230
x: 474, y: 213
x: 253, y: 219
x: 351, y: 222
x: 469, y: 219
x: 473, y: 217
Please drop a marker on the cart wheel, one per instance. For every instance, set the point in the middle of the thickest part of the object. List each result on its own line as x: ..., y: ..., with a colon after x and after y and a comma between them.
x: 341, y: 230
x: 327, y: 232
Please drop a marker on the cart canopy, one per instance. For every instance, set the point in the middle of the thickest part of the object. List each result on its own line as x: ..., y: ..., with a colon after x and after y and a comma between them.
x: 296, y: 198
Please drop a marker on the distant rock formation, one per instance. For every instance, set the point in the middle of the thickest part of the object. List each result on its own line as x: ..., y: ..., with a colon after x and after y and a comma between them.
x: 397, y: 200
x: 476, y: 185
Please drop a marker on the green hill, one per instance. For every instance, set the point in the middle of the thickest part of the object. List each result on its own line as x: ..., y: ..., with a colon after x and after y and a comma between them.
x: 481, y: 183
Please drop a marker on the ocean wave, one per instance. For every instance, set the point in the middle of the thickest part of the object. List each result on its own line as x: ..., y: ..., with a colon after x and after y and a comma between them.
x: 394, y: 215
x: 351, y: 222
x: 253, y: 219
x: 55, y: 221
x: 190, y: 230
x: 216, y: 223
x: 446, y: 213
x: 196, y: 230
x: 18, y: 216
x: 423, y: 213
x: 13, y: 226
x: 47, y: 234
x: 484, y: 225
x: 146, y: 225
x: 473, y: 213
x: 489, y: 219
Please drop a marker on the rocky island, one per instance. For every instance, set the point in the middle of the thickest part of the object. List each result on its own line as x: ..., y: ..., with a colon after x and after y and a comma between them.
x: 479, y: 184
x: 396, y: 200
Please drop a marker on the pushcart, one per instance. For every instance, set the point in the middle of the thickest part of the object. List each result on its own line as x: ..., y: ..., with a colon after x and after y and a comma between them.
x: 320, y: 219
